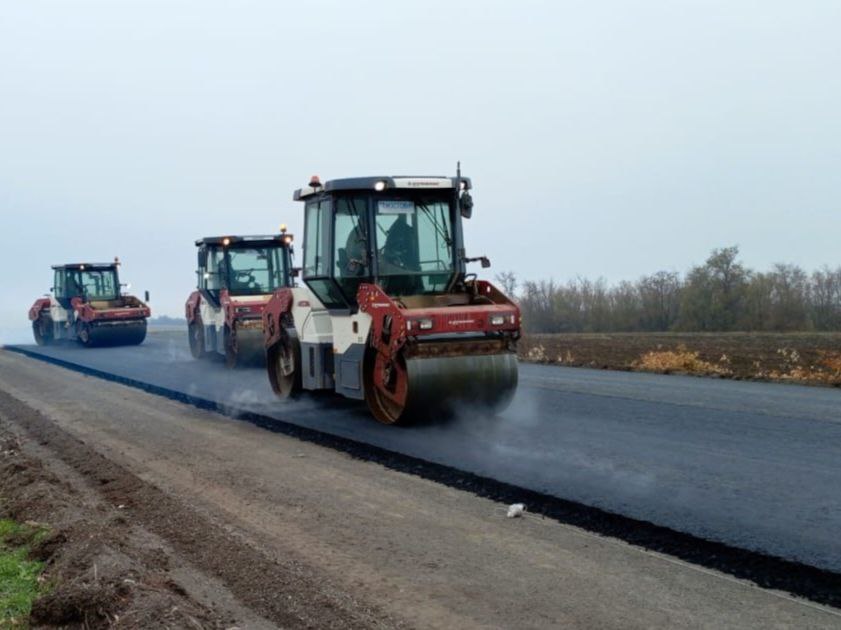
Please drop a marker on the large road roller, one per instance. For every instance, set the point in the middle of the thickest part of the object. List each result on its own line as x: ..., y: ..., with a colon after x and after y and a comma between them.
x: 389, y: 313
x: 86, y: 304
x: 236, y: 276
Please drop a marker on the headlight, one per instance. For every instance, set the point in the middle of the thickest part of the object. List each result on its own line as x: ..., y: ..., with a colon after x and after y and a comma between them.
x: 421, y: 324
x: 499, y: 320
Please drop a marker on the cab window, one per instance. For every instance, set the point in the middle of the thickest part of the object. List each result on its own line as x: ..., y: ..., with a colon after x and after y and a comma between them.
x: 351, y: 259
x: 58, y: 284
x: 316, y: 238
x: 414, y: 245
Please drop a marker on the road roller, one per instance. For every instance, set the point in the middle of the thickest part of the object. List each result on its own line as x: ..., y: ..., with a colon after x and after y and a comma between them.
x: 86, y: 304
x: 389, y: 313
x: 236, y: 276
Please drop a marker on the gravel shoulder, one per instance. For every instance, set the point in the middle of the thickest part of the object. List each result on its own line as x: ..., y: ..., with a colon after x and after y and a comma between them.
x: 260, y: 529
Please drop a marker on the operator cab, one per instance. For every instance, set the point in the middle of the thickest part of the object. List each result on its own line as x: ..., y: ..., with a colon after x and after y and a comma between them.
x: 401, y: 233
x: 244, y: 265
x: 90, y: 281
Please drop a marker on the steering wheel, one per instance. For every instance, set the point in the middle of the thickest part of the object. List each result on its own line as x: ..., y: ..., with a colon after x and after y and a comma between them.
x: 392, y: 260
x: 247, y: 274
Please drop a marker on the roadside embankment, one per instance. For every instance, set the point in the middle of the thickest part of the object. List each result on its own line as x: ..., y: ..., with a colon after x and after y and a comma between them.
x: 811, y: 358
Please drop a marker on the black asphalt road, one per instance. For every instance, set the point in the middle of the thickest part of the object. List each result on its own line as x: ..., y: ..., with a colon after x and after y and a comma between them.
x: 753, y: 465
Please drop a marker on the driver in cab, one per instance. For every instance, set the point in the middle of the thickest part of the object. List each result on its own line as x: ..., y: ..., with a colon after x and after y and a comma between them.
x: 398, y: 253
x: 399, y: 259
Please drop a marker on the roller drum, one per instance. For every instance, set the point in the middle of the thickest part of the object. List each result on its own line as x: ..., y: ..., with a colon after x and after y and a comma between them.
x: 439, y: 385
x: 486, y: 382
x: 248, y: 349
x: 123, y: 333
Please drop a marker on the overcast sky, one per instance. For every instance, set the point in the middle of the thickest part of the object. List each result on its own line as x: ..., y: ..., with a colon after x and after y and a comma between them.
x: 603, y: 138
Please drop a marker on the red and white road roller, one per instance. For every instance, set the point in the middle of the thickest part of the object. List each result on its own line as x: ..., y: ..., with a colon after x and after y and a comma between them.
x: 236, y: 277
x: 86, y: 304
x: 389, y: 313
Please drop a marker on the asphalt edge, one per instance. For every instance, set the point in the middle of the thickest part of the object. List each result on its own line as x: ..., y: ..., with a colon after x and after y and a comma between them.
x: 764, y: 570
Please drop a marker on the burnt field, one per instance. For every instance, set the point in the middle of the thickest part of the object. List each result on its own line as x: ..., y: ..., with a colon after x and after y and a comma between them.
x: 812, y: 358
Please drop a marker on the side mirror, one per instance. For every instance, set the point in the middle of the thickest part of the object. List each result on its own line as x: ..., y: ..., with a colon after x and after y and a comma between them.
x: 52, y: 289
x: 202, y: 258
x: 465, y: 204
x: 295, y: 272
x: 146, y: 295
x: 483, y: 260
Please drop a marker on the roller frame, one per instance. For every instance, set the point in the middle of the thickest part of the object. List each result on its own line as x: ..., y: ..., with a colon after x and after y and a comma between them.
x: 481, y: 370
x: 238, y: 337
x: 462, y: 359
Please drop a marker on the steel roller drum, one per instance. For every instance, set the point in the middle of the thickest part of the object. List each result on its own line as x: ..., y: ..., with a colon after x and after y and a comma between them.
x: 250, y: 348
x: 128, y: 333
x: 487, y: 381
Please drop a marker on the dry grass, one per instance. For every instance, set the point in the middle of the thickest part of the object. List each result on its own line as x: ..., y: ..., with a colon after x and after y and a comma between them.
x: 826, y: 370
x: 680, y: 361
x: 832, y: 362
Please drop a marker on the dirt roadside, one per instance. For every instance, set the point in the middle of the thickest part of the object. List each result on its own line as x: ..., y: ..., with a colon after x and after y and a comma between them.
x: 101, y: 570
x: 297, y: 535
x: 806, y: 358
x: 108, y: 568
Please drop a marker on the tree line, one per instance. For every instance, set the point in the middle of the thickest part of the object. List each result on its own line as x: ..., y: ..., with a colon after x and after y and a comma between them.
x: 719, y: 296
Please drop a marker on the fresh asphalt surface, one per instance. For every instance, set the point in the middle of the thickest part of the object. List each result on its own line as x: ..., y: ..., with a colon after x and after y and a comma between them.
x: 753, y: 465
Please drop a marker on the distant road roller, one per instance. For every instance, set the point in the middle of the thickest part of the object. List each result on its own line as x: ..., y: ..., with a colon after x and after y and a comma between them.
x: 389, y: 313
x: 236, y: 276
x: 86, y: 304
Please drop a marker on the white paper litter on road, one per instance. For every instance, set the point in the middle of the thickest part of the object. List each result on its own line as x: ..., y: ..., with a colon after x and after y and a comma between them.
x: 516, y: 510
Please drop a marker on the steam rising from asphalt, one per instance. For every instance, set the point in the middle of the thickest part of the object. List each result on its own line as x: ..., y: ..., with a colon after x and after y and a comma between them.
x: 178, y: 350
x: 582, y: 465
x: 244, y: 400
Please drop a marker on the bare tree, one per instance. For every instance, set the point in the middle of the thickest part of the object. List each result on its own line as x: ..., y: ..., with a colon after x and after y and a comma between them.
x: 825, y: 299
x: 659, y: 300
x: 789, y: 298
x: 720, y: 295
x: 508, y: 281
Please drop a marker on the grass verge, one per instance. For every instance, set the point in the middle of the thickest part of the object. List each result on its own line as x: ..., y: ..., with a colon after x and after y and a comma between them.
x: 19, y: 576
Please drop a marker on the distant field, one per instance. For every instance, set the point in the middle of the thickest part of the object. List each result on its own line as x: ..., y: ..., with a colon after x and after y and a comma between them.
x: 798, y: 357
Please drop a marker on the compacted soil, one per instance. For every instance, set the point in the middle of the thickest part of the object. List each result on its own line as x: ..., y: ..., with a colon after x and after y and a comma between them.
x: 162, y: 515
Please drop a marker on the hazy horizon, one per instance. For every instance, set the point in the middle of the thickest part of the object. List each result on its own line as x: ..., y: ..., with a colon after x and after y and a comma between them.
x: 607, y: 139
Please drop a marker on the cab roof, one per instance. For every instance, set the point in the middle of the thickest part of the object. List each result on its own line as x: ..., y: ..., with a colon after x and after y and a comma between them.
x: 283, y: 239
x: 87, y: 266
x: 381, y: 183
